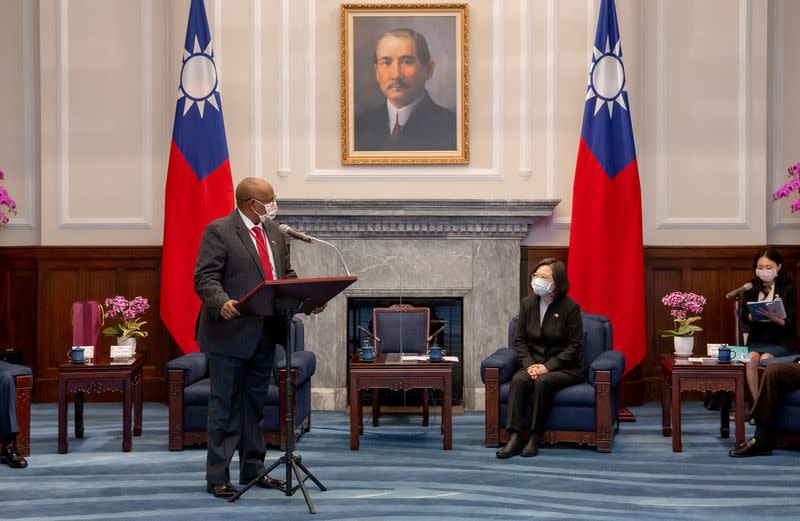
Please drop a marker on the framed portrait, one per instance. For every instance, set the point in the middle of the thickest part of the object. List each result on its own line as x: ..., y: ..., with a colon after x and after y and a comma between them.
x: 404, y: 84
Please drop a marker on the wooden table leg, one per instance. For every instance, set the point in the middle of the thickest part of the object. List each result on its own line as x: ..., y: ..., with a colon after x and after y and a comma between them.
x: 355, y: 412
x: 666, y: 403
x: 127, y: 428
x: 79, y: 415
x: 677, y: 445
x: 426, y: 396
x: 137, y: 406
x: 725, y: 417
x: 62, y: 415
x: 447, y: 412
x: 739, y: 408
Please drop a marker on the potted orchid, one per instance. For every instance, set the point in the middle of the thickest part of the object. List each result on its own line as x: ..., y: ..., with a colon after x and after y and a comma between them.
x: 7, y: 201
x: 793, y: 184
x: 129, y: 326
x: 681, y: 304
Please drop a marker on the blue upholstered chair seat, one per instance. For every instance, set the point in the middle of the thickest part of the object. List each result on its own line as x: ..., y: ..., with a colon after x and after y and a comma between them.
x: 190, y: 388
x: 585, y: 413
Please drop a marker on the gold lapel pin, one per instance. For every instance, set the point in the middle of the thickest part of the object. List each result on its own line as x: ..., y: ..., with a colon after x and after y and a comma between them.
x: 555, y: 315
x: 274, y: 243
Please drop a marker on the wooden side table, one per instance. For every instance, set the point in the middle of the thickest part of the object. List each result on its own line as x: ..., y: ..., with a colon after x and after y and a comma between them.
x: 98, y: 378
x: 681, y: 375
x: 388, y: 371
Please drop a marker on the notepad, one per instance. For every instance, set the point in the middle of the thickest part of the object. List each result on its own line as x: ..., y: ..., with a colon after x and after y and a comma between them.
x: 776, y: 306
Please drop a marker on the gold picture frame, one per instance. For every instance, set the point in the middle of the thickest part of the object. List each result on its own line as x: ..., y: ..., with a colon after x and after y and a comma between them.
x: 419, y: 82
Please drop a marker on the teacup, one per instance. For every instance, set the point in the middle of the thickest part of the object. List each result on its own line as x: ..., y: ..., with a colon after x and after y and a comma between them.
x: 724, y: 354
x: 75, y: 355
x: 436, y: 353
x: 713, y: 349
x: 366, y: 352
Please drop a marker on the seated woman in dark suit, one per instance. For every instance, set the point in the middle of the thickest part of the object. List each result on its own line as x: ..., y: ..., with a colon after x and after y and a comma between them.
x: 770, y: 335
x: 548, y: 343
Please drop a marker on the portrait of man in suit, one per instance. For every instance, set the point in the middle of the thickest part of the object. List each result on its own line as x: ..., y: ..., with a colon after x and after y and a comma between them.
x: 406, y: 86
x: 409, y: 119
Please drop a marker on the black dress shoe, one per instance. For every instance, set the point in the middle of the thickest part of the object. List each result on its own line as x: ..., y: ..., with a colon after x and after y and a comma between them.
x: 265, y: 482
x: 511, y: 448
x: 10, y: 456
x: 223, y: 490
x: 531, y: 448
x: 750, y: 448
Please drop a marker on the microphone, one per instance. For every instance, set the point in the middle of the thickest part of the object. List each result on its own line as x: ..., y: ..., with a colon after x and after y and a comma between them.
x: 747, y: 286
x: 288, y: 230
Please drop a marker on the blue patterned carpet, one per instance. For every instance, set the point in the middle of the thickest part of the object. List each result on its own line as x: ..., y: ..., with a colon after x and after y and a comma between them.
x: 402, y: 473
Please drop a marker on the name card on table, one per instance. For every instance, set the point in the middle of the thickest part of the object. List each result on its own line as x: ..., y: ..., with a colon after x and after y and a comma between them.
x: 121, y: 351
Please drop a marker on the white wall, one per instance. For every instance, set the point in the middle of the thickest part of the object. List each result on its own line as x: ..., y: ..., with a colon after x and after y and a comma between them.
x: 89, y: 92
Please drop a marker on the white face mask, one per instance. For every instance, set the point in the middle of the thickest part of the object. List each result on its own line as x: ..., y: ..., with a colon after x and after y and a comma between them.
x: 767, y: 275
x: 271, y: 211
x: 541, y: 286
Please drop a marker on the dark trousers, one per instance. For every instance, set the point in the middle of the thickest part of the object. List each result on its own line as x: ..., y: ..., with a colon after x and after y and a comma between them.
x: 8, y: 406
x: 235, y: 413
x: 779, y: 379
x: 539, y: 393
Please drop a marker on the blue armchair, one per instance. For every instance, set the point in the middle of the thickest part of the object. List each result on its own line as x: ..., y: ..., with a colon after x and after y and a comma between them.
x: 189, y: 389
x: 788, y: 416
x: 16, y: 382
x: 586, y: 414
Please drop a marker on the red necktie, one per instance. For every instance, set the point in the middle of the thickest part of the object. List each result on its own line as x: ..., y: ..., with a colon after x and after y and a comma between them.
x: 263, y: 252
x: 394, y: 137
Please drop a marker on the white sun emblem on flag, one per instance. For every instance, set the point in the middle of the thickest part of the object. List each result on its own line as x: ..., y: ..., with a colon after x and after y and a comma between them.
x: 607, y: 78
x: 199, y: 80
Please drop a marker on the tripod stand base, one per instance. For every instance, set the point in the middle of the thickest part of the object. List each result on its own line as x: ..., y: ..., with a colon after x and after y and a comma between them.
x: 293, y: 464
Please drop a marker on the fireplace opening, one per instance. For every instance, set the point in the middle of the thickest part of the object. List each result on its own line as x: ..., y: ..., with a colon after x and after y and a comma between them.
x: 445, y: 311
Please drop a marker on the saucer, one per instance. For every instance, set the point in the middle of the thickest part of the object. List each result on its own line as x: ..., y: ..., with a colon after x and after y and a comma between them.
x: 724, y: 361
x: 78, y: 363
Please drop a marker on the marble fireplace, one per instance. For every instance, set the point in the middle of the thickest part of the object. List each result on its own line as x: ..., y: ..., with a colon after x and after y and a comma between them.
x: 466, y: 249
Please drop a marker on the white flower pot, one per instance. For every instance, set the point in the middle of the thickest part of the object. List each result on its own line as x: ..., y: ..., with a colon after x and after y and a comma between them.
x: 128, y: 342
x: 684, y: 345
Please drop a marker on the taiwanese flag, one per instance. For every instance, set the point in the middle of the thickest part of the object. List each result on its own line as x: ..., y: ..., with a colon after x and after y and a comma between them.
x: 199, y: 185
x: 606, y: 261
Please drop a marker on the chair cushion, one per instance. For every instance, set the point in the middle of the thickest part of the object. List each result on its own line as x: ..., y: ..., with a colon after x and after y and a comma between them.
x: 580, y: 394
x: 792, y: 398
x: 15, y: 369
x: 505, y: 359
x: 197, y: 393
x: 613, y: 361
x: 305, y: 362
x: 597, y: 338
x: 194, y: 366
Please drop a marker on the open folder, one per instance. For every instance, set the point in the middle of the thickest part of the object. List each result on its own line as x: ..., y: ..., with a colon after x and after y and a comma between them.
x: 756, y: 307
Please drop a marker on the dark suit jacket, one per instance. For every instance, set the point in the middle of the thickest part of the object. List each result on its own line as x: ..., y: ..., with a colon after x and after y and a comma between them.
x: 770, y: 332
x: 430, y: 127
x: 228, y: 267
x: 556, y: 342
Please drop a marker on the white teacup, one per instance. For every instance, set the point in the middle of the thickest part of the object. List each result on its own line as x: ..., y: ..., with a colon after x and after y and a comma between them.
x: 713, y: 349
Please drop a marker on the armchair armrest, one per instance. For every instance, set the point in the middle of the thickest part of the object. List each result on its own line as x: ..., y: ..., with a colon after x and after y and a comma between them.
x: 193, y: 365
x: 779, y: 359
x: 613, y: 361
x: 505, y: 360
x: 304, y: 362
x: 15, y: 369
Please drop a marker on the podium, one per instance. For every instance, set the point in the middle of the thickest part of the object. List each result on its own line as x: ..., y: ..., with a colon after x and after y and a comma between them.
x: 288, y: 297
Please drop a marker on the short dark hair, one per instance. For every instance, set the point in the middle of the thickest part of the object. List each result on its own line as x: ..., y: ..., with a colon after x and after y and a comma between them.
x: 423, y: 53
x: 559, y: 275
x: 770, y: 253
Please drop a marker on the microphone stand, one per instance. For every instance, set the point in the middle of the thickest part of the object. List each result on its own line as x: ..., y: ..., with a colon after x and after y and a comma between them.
x: 337, y: 253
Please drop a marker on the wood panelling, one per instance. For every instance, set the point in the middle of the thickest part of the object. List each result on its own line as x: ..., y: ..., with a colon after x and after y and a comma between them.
x: 709, y: 271
x: 38, y: 287
x: 39, y: 284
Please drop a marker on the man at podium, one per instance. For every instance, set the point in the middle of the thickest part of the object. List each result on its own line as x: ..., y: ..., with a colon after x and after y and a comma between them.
x: 238, y: 252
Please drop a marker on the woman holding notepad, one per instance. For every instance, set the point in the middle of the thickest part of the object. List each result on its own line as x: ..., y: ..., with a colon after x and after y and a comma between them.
x: 771, y: 326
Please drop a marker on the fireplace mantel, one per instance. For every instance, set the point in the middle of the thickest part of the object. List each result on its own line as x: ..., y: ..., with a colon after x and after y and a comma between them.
x: 464, y: 248
x: 428, y: 218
